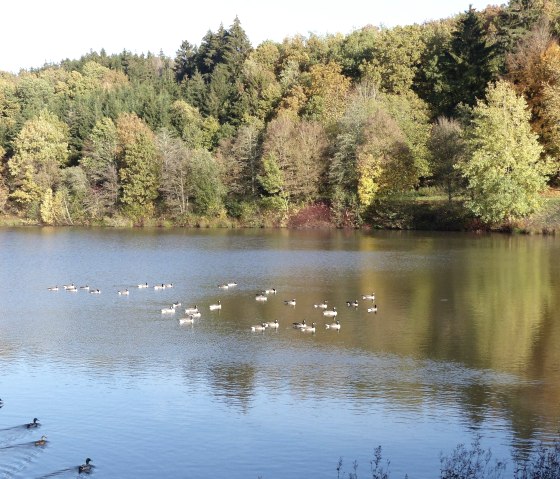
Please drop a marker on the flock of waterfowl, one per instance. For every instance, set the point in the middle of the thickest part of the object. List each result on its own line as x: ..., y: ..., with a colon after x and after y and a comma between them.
x: 86, y: 467
x: 193, y: 313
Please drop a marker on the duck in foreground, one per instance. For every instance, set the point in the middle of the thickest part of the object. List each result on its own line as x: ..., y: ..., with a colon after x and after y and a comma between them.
x: 41, y: 442
x: 35, y: 423
x: 331, y: 312
x: 86, y: 467
x: 373, y: 309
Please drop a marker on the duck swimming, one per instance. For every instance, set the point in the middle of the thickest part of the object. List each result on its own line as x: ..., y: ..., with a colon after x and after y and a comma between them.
x: 332, y: 312
x: 86, y: 467
x: 369, y: 296
x: 308, y: 329
x: 191, y: 310
x: 35, y: 423
x: 258, y: 327
x: 53, y: 288
x: 216, y: 306
x: 41, y: 442
x: 124, y: 292
x: 335, y: 325
x: 145, y: 285
x: 261, y: 297
x: 272, y: 324
x: 299, y: 325
x: 373, y: 309
x: 290, y: 302
x: 352, y: 303
x: 322, y: 305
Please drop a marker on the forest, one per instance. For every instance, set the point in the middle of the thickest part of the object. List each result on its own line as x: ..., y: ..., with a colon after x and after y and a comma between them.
x: 457, y: 118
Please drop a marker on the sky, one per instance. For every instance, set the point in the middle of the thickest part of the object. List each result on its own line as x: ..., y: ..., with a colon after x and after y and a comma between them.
x: 35, y: 32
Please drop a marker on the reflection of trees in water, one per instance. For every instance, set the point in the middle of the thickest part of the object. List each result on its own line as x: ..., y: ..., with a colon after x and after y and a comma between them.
x: 498, y: 315
x: 234, y: 384
x: 486, y: 302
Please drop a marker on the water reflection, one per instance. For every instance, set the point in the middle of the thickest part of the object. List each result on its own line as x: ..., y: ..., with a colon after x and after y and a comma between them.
x: 467, y: 326
x: 234, y: 384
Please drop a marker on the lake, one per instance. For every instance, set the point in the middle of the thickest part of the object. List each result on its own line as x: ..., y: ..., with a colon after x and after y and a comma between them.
x: 465, y: 342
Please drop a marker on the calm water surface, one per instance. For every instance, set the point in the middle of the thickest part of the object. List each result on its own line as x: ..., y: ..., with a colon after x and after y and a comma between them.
x: 466, y: 341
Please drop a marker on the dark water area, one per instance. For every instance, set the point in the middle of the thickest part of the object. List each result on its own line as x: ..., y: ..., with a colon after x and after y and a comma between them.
x: 465, y: 342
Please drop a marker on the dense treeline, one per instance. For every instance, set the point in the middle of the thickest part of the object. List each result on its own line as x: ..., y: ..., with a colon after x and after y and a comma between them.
x: 469, y: 106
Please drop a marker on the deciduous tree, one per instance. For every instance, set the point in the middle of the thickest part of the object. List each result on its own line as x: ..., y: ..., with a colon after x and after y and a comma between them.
x: 504, y: 171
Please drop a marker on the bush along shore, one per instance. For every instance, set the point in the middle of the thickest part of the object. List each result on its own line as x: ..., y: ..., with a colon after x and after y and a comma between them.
x: 404, y: 214
x: 469, y: 462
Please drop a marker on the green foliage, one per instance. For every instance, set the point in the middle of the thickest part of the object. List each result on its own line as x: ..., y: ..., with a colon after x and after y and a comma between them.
x: 380, y: 148
x: 195, y: 130
x: 99, y: 166
x: 138, y: 167
x: 207, y: 188
x: 468, y: 65
x: 298, y: 149
x: 339, y: 118
x: 272, y: 179
x: 504, y: 172
x: 448, y: 149
x: 40, y: 149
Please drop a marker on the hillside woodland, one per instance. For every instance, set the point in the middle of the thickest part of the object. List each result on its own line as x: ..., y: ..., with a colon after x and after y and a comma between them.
x: 455, y: 121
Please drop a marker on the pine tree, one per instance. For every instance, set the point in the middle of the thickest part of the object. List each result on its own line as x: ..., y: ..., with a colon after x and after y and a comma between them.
x: 184, y: 66
x: 468, y: 65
